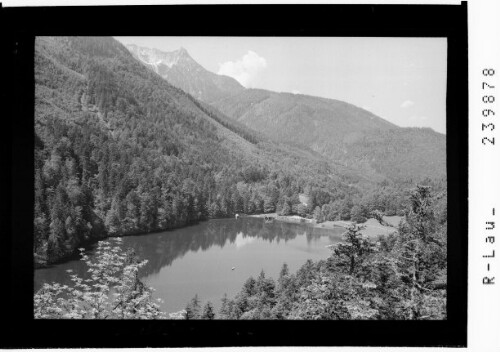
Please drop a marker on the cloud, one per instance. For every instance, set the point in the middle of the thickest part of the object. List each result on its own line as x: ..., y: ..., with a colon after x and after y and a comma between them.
x: 241, y: 240
x: 407, y: 104
x: 295, y: 91
x: 245, y: 69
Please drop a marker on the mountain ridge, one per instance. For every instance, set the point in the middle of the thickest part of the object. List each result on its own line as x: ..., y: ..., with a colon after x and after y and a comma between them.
x: 176, y: 65
x: 119, y: 151
x: 336, y: 129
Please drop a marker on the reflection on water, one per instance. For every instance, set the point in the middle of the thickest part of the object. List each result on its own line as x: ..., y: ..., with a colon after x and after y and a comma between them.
x: 198, y: 259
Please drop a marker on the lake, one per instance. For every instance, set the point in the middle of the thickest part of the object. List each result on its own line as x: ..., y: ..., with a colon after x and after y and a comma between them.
x: 199, y: 259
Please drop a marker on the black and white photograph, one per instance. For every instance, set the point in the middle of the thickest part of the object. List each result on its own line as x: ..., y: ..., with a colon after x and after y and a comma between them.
x: 282, y: 175
x: 240, y: 178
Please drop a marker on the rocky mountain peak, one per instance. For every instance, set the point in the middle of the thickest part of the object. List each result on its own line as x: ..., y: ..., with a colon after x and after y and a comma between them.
x: 154, y: 57
x: 182, y: 71
x: 183, y: 52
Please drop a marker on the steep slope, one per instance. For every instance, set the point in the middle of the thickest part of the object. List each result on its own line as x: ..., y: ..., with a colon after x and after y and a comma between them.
x: 342, y: 132
x: 283, y: 114
x: 119, y: 151
x: 180, y: 70
x: 337, y: 130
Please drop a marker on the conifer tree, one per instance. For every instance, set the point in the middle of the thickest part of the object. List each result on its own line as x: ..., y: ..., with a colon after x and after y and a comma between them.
x: 208, y: 312
x: 193, y: 309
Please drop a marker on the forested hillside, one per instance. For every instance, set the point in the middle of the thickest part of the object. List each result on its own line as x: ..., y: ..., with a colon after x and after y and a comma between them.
x: 401, y: 276
x: 342, y: 132
x: 120, y: 151
x: 398, y: 277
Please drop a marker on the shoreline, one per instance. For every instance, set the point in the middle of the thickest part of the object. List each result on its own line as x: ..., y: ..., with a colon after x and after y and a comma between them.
x: 373, y: 228
x: 74, y: 255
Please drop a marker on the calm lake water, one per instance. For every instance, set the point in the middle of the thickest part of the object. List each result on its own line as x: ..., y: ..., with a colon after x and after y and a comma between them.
x: 198, y: 259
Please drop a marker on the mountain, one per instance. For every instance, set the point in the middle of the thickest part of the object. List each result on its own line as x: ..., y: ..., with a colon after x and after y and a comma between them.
x: 119, y: 150
x: 180, y: 70
x: 340, y: 131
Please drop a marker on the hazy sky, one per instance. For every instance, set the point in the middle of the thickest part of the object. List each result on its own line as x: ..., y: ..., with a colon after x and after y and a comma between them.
x: 402, y: 80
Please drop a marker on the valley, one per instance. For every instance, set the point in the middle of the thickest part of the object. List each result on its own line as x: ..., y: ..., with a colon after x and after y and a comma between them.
x: 145, y: 155
x: 339, y: 131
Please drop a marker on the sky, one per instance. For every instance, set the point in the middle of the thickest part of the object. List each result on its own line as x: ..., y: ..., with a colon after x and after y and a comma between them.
x: 402, y: 80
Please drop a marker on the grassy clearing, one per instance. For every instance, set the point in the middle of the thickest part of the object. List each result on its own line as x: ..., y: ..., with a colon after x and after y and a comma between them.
x: 373, y: 227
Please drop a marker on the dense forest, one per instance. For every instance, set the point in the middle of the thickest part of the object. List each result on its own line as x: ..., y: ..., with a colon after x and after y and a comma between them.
x: 396, y: 277
x: 120, y: 151
x: 400, y: 276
